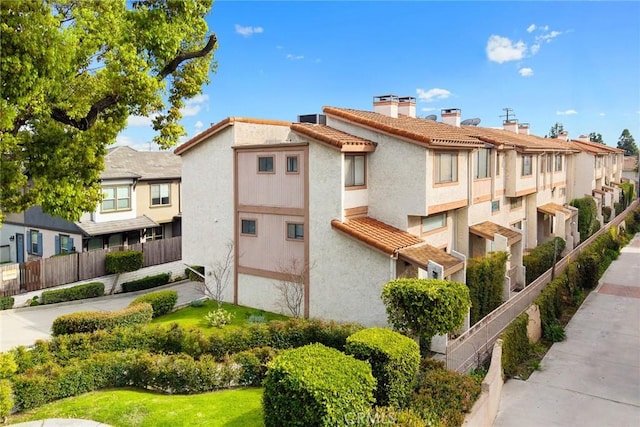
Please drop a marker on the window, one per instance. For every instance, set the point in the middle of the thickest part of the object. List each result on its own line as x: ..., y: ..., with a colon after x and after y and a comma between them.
x: 558, y: 163
x: 517, y: 225
x: 265, y: 164
x: 116, y: 198
x: 154, y: 233
x: 549, y: 162
x: 526, y: 165
x: 483, y: 163
x: 615, y: 159
x: 292, y: 164
x: 354, y: 170
x: 543, y: 163
x: 249, y: 227
x: 598, y: 162
x: 495, y: 206
x: 563, y: 191
x: 295, y: 231
x: 498, y: 163
x: 64, y: 244
x: 446, y: 167
x: 160, y: 194
x: 34, y: 242
x: 516, y: 202
x: 434, y: 222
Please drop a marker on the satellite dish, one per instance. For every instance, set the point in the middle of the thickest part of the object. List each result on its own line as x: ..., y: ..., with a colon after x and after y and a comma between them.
x: 432, y: 117
x: 467, y: 122
x: 475, y: 122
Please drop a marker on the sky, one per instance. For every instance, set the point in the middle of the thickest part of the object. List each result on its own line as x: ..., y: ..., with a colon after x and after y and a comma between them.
x: 572, y: 62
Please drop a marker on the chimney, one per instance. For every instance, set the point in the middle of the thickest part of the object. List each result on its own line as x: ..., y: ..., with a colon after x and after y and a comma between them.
x: 407, y: 106
x: 451, y: 116
x: 386, y: 105
x: 584, y: 138
x: 563, y: 135
x: 523, y: 128
x: 511, y: 126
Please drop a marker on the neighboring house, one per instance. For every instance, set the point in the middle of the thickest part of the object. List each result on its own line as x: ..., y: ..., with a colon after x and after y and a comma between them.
x: 630, y: 169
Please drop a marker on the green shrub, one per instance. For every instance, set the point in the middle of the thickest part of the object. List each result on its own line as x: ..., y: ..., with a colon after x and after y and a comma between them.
x: 7, y: 368
x: 554, y: 332
x: 121, y: 262
x: 6, y: 303
x: 316, y: 386
x: 253, y: 365
x: 549, y: 301
x: 516, y: 347
x: 89, y: 321
x: 606, y: 213
x: 218, y: 318
x: 540, y: 259
x: 196, y: 303
x: 146, y: 283
x: 587, y: 216
x: 34, y: 301
x: 394, y: 360
x: 390, y: 416
x: 86, y: 290
x: 192, y: 276
x: 588, y: 266
x: 618, y: 208
x: 161, y: 301
x: 627, y: 195
x: 485, y: 280
x: 632, y: 222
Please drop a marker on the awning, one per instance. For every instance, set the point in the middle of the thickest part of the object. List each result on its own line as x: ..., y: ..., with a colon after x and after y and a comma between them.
x: 92, y: 228
x: 376, y: 233
x: 607, y: 188
x: 598, y: 191
x: 421, y: 255
x: 489, y: 229
x: 552, y: 208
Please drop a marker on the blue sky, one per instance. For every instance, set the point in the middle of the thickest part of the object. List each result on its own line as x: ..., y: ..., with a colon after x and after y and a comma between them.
x: 577, y: 63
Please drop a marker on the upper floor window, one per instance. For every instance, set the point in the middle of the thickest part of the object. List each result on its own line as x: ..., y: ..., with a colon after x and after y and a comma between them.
x: 446, y: 167
x: 498, y: 163
x: 34, y: 242
x: 615, y: 159
x: 295, y: 231
x: 354, y: 170
x: 598, y: 162
x: 483, y: 163
x: 160, y: 194
x: 249, y: 227
x: 495, y: 206
x: 292, y: 164
x: 433, y: 222
x: 265, y: 164
x: 558, y: 163
x: 116, y: 198
x: 549, y: 162
x: 526, y: 165
x: 515, y: 202
x: 543, y: 163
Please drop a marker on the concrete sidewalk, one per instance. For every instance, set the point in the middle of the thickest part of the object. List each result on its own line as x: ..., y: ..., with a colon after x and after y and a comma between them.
x: 593, y: 377
x: 62, y: 422
x: 23, y: 326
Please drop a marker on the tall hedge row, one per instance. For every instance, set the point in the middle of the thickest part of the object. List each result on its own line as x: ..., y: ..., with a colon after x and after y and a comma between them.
x: 540, y: 259
x: 89, y: 321
x: 86, y: 290
x: 516, y: 347
x: 124, y: 261
x: 485, y: 280
x: 587, y: 216
x: 146, y: 282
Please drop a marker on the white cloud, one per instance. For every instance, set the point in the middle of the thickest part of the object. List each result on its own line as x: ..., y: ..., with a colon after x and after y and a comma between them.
x: 535, y: 48
x: 140, y: 120
x: 123, y: 140
x: 198, y: 99
x: 531, y: 28
x: 526, y: 72
x: 566, y: 113
x: 279, y: 47
x: 545, y: 28
x: 432, y: 94
x: 427, y: 109
x: 193, y: 106
x: 501, y: 49
x: 603, y: 114
x: 198, y: 125
x: 294, y: 57
x: 548, y: 37
x: 248, y: 31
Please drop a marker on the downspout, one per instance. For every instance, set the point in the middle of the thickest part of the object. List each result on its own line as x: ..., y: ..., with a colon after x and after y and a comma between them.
x: 392, y: 265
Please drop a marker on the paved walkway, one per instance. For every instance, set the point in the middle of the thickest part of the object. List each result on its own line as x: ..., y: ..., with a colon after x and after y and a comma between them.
x: 23, y: 326
x: 593, y: 377
x: 61, y: 422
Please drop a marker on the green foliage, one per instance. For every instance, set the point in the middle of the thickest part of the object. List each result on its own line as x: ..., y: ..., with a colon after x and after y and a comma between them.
x: 161, y: 301
x: 627, y: 195
x: 632, y: 222
x: 7, y: 368
x: 34, y: 301
x: 87, y: 290
x: 540, y: 259
x: 8, y: 365
x: 596, y: 137
x: 390, y: 416
x: 555, y: 130
x: 253, y: 365
x: 485, y: 280
x: 549, y: 301
x: 554, y: 332
x: 123, y: 261
x: 443, y: 395
x: 196, y: 303
x: 627, y: 143
x: 218, y: 318
x: 516, y: 347
x: 394, y: 360
x: 606, y: 213
x: 316, y: 386
x: 192, y: 276
x: 425, y: 307
x: 89, y: 321
x: 72, y: 74
x: 587, y: 217
x: 6, y: 303
x: 146, y: 282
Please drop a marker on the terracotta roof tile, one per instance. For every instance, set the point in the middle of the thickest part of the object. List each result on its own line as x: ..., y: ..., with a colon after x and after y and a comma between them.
x: 488, y: 230
x: 594, y: 147
x: 421, y: 131
x: 518, y: 140
x: 334, y: 137
x: 377, y: 234
x: 422, y: 254
x: 551, y: 209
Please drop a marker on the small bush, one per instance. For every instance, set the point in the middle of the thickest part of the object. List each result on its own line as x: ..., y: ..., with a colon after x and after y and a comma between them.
x: 540, y: 259
x: 146, y: 283
x: 86, y: 290
x: 606, y: 213
x: 516, y: 347
x: 394, y: 360
x: 89, y: 321
x: 218, y: 318
x: 7, y: 368
x: 192, y: 276
x: 6, y: 303
x: 316, y: 386
x: 196, y: 303
x: 121, y: 262
x: 390, y: 416
x: 554, y: 332
x: 253, y: 365
x: 34, y: 301
x: 549, y: 301
x: 161, y: 301
x: 587, y: 216
x: 485, y: 280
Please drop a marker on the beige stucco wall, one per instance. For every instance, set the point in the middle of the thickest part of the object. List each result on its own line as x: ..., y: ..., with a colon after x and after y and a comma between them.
x: 584, y: 180
x: 159, y: 214
x: 117, y: 215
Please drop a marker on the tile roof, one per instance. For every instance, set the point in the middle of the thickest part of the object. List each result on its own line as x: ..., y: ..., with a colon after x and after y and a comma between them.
x: 422, y: 254
x: 417, y: 130
x: 377, y: 234
x: 629, y: 163
x: 125, y: 162
x: 551, y: 209
x: 518, y: 140
x: 334, y: 137
x: 489, y: 229
x: 91, y: 228
x: 594, y: 147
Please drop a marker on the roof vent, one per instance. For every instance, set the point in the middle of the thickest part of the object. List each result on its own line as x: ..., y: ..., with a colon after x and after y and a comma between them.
x: 316, y: 119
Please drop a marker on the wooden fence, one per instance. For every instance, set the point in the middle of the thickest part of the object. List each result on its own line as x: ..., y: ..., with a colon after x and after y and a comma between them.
x: 60, y: 270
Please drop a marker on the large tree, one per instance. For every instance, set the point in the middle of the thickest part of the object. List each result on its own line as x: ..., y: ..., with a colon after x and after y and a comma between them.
x: 555, y: 130
x: 627, y: 143
x: 596, y: 137
x: 71, y: 74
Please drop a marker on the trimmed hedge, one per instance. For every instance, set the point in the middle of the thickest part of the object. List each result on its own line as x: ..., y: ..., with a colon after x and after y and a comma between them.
x: 550, y: 302
x: 87, y: 290
x: 161, y: 301
x: 6, y: 303
x: 253, y: 365
x: 89, y: 321
x: 587, y: 217
x: 632, y: 222
x: 394, y: 359
x: 7, y: 369
x: 540, y: 259
x: 627, y: 195
x: 146, y: 282
x: 485, y: 280
x: 121, y: 262
x: 516, y: 347
x: 316, y: 386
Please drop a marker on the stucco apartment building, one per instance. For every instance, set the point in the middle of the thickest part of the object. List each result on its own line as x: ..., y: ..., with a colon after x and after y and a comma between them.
x: 351, y: 199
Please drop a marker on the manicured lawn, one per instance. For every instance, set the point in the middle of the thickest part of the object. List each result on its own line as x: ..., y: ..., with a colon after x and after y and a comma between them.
x: 194, y: 316
x: 127, y: 407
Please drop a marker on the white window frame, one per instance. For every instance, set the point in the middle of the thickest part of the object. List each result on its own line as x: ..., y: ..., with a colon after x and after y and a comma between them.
x: 295, y: 231
x: 160, y: 187
x: 441, y: 159
x: 355, y: 170
x: 483, y: 163
x: 527, y: 165
x: 433, y: 222
x: 116, y: 198
x: 558, y: 163
x: 292, y: 164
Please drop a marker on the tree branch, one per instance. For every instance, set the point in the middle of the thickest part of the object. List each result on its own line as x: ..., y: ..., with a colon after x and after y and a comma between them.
x: 173, y: 65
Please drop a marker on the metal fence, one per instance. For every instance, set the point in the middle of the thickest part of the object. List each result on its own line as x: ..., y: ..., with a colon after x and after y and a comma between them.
x: 474, y: 345
x: 59, y: 270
